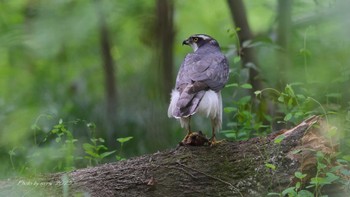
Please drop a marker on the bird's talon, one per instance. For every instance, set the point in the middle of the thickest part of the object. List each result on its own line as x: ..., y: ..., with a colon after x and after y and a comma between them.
x: 213, y: 141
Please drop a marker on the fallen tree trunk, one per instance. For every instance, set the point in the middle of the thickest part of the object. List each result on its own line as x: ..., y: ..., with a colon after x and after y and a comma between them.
x: 247, y: 168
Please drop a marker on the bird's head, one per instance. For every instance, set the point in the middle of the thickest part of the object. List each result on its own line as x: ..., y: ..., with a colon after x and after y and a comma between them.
x: 198, y: 40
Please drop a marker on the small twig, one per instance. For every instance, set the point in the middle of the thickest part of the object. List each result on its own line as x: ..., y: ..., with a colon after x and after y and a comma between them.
x: 213, y: 177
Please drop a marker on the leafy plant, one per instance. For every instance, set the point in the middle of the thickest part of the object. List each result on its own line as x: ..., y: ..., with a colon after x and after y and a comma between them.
x: 65, y: 136
x: 96, y: 151
x: 244, y: 123
x: 122, y: 141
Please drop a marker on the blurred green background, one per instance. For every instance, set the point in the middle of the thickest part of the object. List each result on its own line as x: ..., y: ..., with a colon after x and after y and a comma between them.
x: 57, y: 94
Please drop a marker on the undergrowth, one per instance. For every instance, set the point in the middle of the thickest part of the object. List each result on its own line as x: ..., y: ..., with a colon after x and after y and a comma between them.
x: 57, y: 149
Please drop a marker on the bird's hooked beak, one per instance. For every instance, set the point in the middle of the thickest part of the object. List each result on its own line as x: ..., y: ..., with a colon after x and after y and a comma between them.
x: 186, y: 42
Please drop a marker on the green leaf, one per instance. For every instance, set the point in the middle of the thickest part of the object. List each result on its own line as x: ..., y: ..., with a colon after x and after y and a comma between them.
x: 124, y: 139
x: 290, y: 191
x: 236, y: 59
x: 289, y: 90
x: 345, y: 172
x: 288, y: 117
x: 101, y: 147
x: 298, y: 114
x: 290, y: 102
x: 119, y: 158
x: 300, y: 96
x: 93, y: 154
x: 271, y: 166
x: 258, y: 92
x: 319, y: 155
x: 229, y: 109
x: 305, y: 193
x: 105, y: 154
x: 281, y: 98
x: 230, y: 135
x: 305, y: 52
x: 346, y: 157
x: 279, y: 139
x: 88, y: 147
x: 318, y: 181
x: 246, y: 86
x: 330, y: 177
x: 231, y: 85
x: 299, y: 175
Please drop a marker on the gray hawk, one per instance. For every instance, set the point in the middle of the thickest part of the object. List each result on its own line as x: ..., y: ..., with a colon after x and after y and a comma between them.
x: 199, y: 81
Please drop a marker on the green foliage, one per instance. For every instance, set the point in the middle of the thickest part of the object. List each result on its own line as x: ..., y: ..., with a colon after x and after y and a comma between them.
x: 122, y: 141
x: 59, y: 150
x: 67, y: 141
x: 244, y: 122
x: 96, y: 151
x: 328, y: 172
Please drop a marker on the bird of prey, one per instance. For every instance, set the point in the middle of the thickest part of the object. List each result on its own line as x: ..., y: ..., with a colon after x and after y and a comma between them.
x: 199, y: 81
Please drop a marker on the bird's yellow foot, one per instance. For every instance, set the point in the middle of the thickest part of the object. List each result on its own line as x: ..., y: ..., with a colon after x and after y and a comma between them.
x: 195, y: 139
x: 213, y: 141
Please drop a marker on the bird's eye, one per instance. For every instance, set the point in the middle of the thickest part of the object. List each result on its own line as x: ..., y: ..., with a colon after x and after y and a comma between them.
x: 195, y: 39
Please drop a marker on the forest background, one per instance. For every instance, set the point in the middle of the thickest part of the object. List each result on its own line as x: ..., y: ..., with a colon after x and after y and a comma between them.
x: 88, y: 82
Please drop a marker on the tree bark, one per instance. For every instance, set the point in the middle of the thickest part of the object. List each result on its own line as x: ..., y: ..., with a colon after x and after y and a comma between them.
x: 225, y: 169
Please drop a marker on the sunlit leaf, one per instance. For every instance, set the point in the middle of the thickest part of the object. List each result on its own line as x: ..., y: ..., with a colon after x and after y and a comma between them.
x: 279, y: 139
x: 271, y: 166
x: 106, y: 154
x: 246, y: 86
x: 124, y: 139
x: 232, y: 85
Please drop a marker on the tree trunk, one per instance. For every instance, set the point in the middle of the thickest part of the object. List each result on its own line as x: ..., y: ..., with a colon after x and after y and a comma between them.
x: 283, y: 28
x: 165, y: 40
x: 224, y: 169
x: 108, y: 64
x: 249, y: 60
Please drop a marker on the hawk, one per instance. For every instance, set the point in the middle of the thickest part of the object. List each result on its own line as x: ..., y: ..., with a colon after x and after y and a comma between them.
x: 199, y: 81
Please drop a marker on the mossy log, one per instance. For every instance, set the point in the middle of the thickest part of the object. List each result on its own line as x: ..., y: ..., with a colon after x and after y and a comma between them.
x: 248, y: 168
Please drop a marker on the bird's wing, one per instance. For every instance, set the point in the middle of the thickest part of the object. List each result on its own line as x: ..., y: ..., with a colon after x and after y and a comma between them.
x: 196, y: 75
x: 211, y: 70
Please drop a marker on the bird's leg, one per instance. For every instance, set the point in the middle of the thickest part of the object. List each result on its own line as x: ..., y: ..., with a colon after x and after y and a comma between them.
x: 212, y: 140
x: 213, y: 137
x: 188, y: 128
